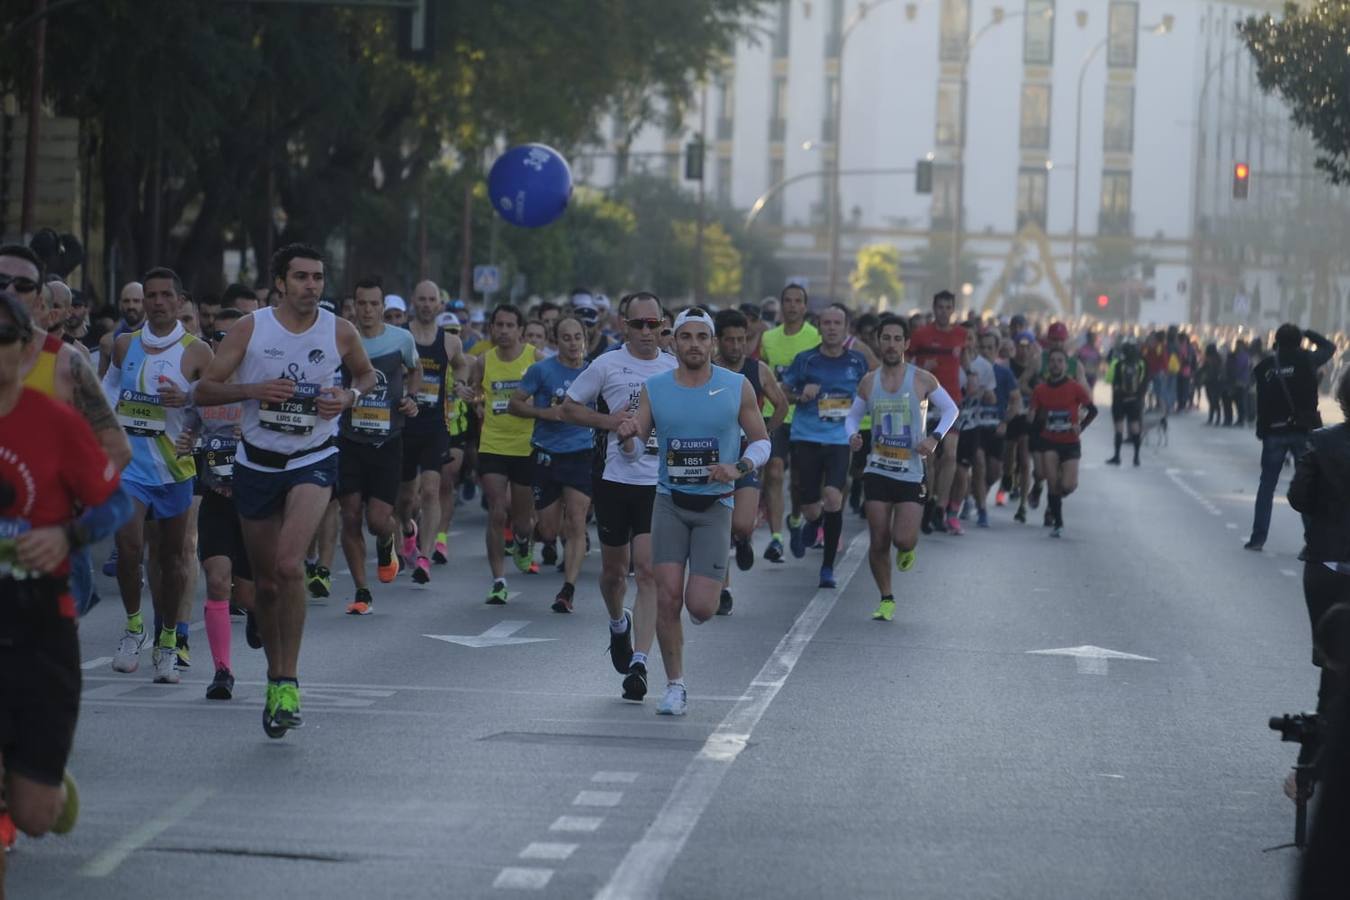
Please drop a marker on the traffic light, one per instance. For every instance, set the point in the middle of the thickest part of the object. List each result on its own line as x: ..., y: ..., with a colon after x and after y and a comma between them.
x: 1242, y: 174
x: 1103, y: 301
x: 923, y: 176
x: 417, y: 31
x: 693, y: 160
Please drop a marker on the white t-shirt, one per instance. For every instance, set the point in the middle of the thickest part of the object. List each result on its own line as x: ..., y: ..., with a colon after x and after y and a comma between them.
x: 618, y: 377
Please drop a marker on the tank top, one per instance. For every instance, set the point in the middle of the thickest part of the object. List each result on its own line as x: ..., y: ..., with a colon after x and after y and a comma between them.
x: 42, y: 377
x: 696, y: 429
x: 503, y: 433
x: 217, y: 444
x: 431, y: 394
x: 311, y: 360
x: 152, y: 428
x: 898, y: 424
x: 750, y: 372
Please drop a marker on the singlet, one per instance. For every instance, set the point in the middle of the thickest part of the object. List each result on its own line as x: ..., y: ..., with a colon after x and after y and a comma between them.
x: 696, y: 429
x: 1060, y: 402
x: 898, y: 424
x: 152, y: 428
x: 217, y: 443
x: 42, y: 377
x: 546, y: 382
x: 375, y: 419
x: 311, y: 360
x: 822, y: 419
x: 503, y: 433
x: 779, y: 349
x: 931, y: 343
x: 750, y: 372
x: 431, y: 396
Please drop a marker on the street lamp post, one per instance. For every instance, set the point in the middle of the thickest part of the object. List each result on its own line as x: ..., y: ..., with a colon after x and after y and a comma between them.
x: 1201, y: 138
x: 775, y: 188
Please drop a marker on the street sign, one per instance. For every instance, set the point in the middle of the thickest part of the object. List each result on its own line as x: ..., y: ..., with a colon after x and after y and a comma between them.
x: 499, y: 635
x: 487, y: 279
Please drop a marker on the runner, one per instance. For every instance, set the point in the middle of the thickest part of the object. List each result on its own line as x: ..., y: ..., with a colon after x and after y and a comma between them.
x: 1021, y: 430
x: 426, y: 443
x: 822, y: 383
x: 977, y: 379
x: 699, y: 412
x: 152, y: 371
x: 625, y: 493
x: 286, y: 359
x: 1128, y: 376
x: 130, y: 303
x: 50, y: 465
x: 894, y: 487
x: 732, y: 341
x: 937, y: 348
x: 370, y: 444
x: 1056, y: 405
x: 996, y: 415
x: 562, y: 453
x: 779, y: 347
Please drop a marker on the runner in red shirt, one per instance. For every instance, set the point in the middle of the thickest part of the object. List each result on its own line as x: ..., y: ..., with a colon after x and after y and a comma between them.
x: 1056, y: 405
x: 937, y: 348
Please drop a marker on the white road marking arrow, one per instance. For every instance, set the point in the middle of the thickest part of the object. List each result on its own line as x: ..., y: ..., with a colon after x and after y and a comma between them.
x: 498, y: 635
x: 1091, y: 660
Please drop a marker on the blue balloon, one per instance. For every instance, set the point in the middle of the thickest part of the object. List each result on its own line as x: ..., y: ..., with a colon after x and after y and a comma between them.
x: 529, y: 185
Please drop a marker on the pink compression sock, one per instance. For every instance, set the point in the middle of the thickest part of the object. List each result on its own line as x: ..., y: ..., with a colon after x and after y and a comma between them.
x: 218, y: 631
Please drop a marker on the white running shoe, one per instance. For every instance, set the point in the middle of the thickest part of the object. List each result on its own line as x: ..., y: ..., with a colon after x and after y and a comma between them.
x: 166, y: 672
x: 675, y: 702
x: 128, y: 656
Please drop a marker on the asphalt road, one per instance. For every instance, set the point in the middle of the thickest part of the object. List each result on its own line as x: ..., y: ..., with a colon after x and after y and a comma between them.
x: 824, y: 755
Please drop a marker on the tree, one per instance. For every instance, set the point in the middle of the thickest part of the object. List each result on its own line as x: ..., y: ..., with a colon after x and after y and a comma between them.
x: 1303, y: 58
x: 876, y: 280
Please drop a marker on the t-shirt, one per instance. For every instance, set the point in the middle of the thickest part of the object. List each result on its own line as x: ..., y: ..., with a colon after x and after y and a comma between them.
x: 375, y: 419
x: 1058, y: 404
x: 822, y: 419
x: 933, y: 344
x: 617, y: 378
x: 1005, y: 383
x: 546, y: 383
x: 49, y: 462
x: 779, y: 349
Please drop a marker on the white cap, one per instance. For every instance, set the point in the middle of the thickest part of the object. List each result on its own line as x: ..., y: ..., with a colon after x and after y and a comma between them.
x: 477, y: 316
x: 394, y: 301
x: 447, y: 319
x: 582, y: 301
x: 693, y: 316
x: 602, y: 302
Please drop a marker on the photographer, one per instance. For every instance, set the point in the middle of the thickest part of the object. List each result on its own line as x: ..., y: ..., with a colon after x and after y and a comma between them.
x: 1286, y: 411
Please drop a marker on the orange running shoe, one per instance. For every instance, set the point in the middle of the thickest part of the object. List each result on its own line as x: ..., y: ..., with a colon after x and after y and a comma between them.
x: 387, y: 565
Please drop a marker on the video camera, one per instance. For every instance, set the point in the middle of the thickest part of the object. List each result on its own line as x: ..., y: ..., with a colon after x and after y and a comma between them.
x: 1306, y: 730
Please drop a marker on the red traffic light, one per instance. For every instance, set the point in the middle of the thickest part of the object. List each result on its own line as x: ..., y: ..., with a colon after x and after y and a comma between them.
x: 1240, y: 171
x: 1241, y: 179
x: 1103, y: 301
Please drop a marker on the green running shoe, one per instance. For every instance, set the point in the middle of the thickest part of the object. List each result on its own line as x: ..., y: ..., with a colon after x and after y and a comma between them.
x: 71, y: 811
x: 271, y: 727
x: 497, y: 596
x: 904, y: 561
x: 320, y: 582
x: 287, y: 714
x: 885, y: 611
x: 522, y: 554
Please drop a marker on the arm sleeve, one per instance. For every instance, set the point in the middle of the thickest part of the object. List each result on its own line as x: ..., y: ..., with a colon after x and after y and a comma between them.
x: 112, y: 382
x: 946, y: 407
x: 101, y: 520
x: 586, y: 388
x: 758, y: 453
x: 410, y: 352
x: 856, y: 412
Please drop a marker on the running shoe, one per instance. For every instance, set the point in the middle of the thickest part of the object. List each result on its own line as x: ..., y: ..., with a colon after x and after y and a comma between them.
x: 675, y: 702
x: 497, y: 596
x: 563, y: 602
x: 1057, y: 531
x: 522, y: 555
x: 1000, y: 498
x: 1021, y: 514
x: 320, y: 583
x: 70, y: 811
x: 745, y: 554
x: 408, y: 549
x: 926, y: 523
x: 1035, y: 497
x: 548, y: 553
x: 884, y: 612
x: 237, y: 612
x: 982, y: 520
x: 386, y: 560
x: 1253, y: 545
x: 1015, y: 494
x: 110, y: 564
x: 1114, y: 461
x: 128, y: 655
x: 440, y: 554
x: 287, y: 714
x: 797, y: 536
x: 939, y: 522
x: 1136, y: 461
x: 621, y: 646
x: 635, y: 682
x: 9, y: 834
x: 508, y: 534
x: 363, y: 605
x: 533, y: 569
x: 724, y: 603
x: 954, y: 527
x: 966, y: 506
x: 904, y: 560
x: 467, y: 490
x: 270, y: 725
x: 818, y: 543
x: 774, y: 552
x: 182, y: 655
x: 251, y: 636
x: 1049, y: 521
x: 222, y: 686
x: 422, y: 572
x: 164, y: 659
x: 827, y: 577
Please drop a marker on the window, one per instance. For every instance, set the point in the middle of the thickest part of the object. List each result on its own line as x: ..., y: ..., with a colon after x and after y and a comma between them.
x: 723, y: 188
x: 1032, y: 184
x: 1035, y: 117
x: 1119, y: 118
x: 780, y: 34
x: 773, y: 209
x: 1122, y: 33
x: 726, y: 107
x: 1038, y: 39
x: 778, y: 114
x: 1114, y: 217
x: 944, y: 196
x: 955, y: 30
x: 949, y: 114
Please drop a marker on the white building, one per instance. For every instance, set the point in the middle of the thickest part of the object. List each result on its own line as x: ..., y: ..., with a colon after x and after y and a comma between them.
x: 1169, y: 104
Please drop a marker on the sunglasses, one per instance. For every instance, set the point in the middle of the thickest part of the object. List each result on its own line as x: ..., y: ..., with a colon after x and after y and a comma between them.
x: 10, y: 334
x: 19, y: 283
x: 648, y: 324
x: 667, y: 332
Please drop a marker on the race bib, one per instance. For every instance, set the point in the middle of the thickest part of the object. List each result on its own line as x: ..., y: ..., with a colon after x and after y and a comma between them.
x: 429, y: 391
x: 218, y: 454
x: 297, y: 415
x: 652, y: 446
x: 1059, y: 421
x: 10, y: 529
x: 141, y: 415
x: 501, y: 396
x: 891, y: 453
x: 833, y: 407
x: 371, y: 415
x: 690, y: 460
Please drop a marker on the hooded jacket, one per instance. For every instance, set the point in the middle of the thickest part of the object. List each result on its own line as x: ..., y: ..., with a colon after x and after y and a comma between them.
x: 1320, y: 490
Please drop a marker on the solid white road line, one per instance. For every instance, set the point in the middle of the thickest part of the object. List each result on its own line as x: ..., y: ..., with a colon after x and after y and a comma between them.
x: 107, y: 862
x: 643, y: 869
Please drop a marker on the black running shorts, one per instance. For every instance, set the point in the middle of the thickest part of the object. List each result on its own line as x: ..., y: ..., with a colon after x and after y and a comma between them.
x: 623, y: 511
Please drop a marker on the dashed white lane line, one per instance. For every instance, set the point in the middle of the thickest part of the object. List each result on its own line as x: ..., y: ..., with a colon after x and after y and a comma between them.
x: 546, y: 850
x: 107, y: 862
x: 577, y: 823
x: 1175, y: 475
x: 1289, y: 573
x: 643, y: 870
x: 519, y: 878
x: 1231, y: 526
x: 614, y: 777
x: 598, y: 798
x: 95, y: 663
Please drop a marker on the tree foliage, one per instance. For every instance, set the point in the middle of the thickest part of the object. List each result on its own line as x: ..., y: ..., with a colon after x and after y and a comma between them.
x: 877, y: 275
x: 1303, y: 57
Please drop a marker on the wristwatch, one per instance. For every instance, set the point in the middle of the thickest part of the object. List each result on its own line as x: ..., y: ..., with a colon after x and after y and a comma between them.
x: 745, y: 466
x: 356, y: 395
